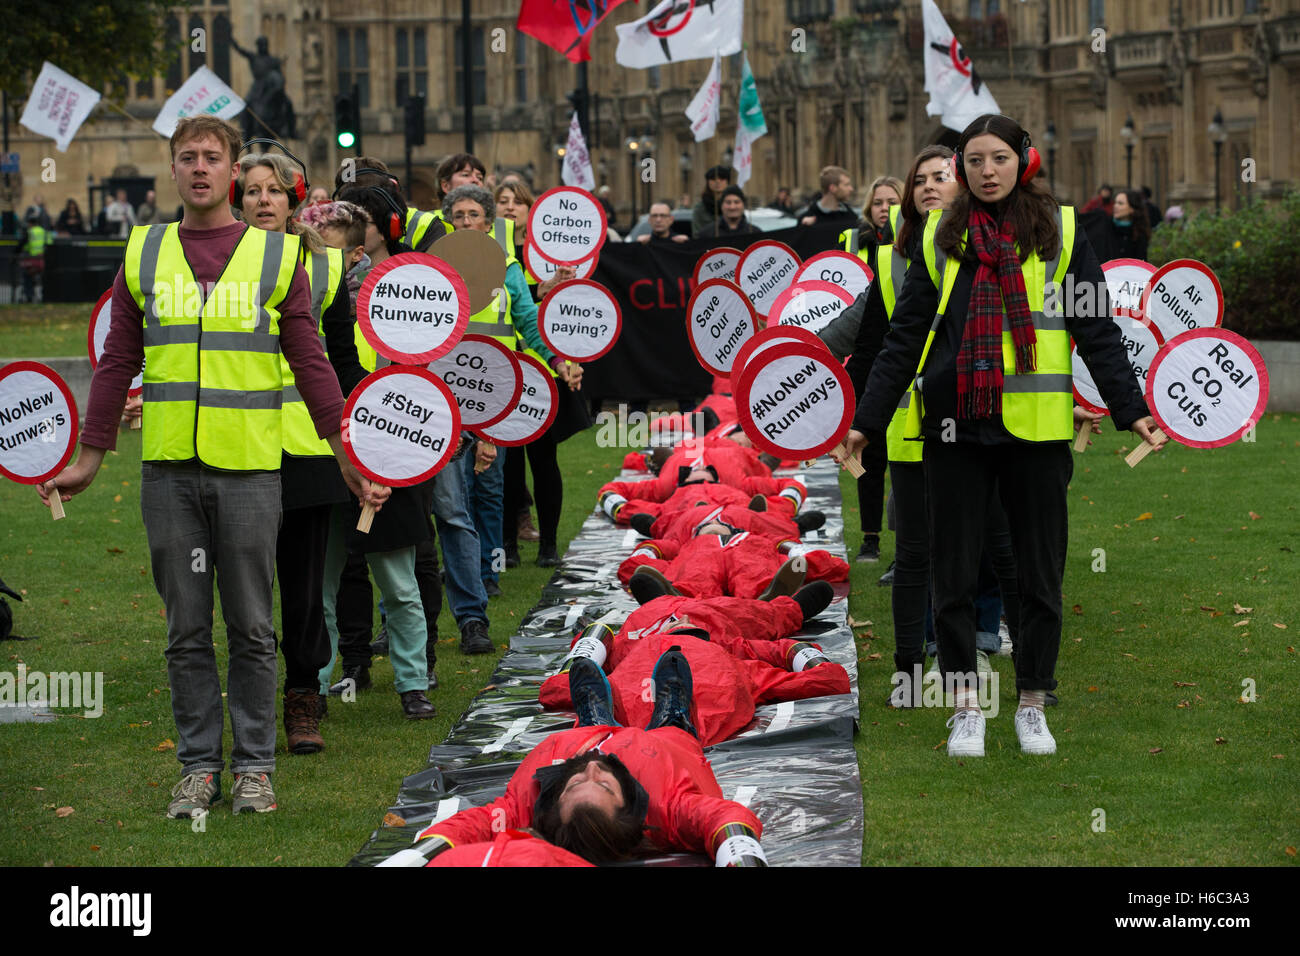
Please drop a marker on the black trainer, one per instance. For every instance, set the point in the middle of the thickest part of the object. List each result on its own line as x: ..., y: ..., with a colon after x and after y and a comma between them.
x: 492, y: 588
x: 355, y: 677
x: 870, y: 550
x: 589, y: 689
x: 648, y: 583
x: 807, y: 521
x: 547, y: 556
x: 759, y: 503
x: 474, y: 638
x: 512, y: 554
x: 814, y: 598
x: 673, y: 689
x: 887, y: 579
x: 641, y: 523
x: 379, y: 646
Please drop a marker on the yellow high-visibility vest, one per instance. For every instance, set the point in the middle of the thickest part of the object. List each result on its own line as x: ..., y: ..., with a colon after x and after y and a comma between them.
x: 325, y: 275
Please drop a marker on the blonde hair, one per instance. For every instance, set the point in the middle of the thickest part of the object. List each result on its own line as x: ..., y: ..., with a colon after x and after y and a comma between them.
x: 286, y: 176
x: 893, y: 182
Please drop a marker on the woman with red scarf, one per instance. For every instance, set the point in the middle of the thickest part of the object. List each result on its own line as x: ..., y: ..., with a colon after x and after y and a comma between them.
x: 982, y: 329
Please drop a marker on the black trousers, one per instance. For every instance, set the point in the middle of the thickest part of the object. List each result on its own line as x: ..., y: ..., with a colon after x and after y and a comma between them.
x: 871, y: 487
x: 548, y: 488
x: 355, y: 610
x: 911, y: 591
x: 300, y: 567
x: 961, y: 481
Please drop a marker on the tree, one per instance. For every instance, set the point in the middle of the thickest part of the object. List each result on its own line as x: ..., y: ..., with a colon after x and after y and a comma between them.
x: 97, y: 41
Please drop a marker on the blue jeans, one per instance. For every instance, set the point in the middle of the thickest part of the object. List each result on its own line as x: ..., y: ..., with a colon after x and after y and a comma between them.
x: 486, y: 495
x: 203, y: 524
x: 460, y: 544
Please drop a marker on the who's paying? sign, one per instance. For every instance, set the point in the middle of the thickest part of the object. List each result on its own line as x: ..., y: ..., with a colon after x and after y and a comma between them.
x: 580, y: 320
x: 413, y: 308
x: 794, y: 401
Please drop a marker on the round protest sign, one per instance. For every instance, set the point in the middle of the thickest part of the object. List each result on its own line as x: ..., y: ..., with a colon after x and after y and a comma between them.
x: 794, y: 401
x: 809, y: 305
x: 841, y: 268
x: 773, y: 335
x: 719, y: 263
x: 543, y: 270
x: 1086, y: 393
x: 1207, y: 387
x: 413, y: 308
x: 478, y: 260
x: 580, y: 320
x: 719, y: 318
x: 38, y: 425
x: 1126, y: 280
x: 566, y: 225
x: 400, y: 425
x: 485, y: 378
x: 533, y: 413
x: 1183, y: 295
x: 764, y: 270
x: 97, y: 334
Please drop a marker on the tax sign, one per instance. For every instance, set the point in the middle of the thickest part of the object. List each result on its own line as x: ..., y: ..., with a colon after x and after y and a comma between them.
x: 719, y: 263
x: 579, y: 320
x: 794, y: 401
x: 400, y: 425
x: 484, y: 377
x: 719, y: 319
x: 413, y: 308
x: 567, y: 225
x: 1207, y: 387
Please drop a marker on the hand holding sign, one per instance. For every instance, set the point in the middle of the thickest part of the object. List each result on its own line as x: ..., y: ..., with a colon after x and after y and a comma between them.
x: 795, y: 401
x: 38, y: 430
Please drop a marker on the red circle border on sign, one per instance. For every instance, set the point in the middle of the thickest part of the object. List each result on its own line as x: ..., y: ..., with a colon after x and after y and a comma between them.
x: 62, y: 386
x: 746, y: 382
x: 527, y: 263
x: 90, y: 339
x: 775, y: 332
x: 753, y: 320
x: 604, y: 224
x: 618, y: 319
x: 387, y: 266
x: 1261, y: 372
x: 1079, y: 399
x: 351, y: 404
x: 811, y: 285
x: 555, y: 408
x: 765, y: 244
x: 1164, y: 270
x: 837, y: 254
x: 695, y: 273
x: 519, y: 376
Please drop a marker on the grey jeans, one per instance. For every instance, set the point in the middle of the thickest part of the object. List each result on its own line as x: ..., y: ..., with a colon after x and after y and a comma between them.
x: 204, y: 524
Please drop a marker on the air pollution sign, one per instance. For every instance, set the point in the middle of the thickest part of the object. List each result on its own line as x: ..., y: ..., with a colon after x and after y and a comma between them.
x: 38, y: 426
x: 413, y: 308
x: 1183, y: 295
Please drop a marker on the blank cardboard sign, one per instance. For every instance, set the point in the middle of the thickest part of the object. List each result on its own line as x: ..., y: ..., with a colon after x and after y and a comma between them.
x: 478, y: 260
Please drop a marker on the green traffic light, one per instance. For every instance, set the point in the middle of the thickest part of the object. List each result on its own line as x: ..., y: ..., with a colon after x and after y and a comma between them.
x: 346, y: 139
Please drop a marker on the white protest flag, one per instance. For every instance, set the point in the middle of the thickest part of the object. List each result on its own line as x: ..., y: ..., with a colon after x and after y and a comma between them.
x: 750, y: 127
x: 704, y: 108
x: 957, y: 95
x: 742, y: 155
x: 203, y: 92
x: 681, y: 30
x: 58, y: 105
x: 577, y: 161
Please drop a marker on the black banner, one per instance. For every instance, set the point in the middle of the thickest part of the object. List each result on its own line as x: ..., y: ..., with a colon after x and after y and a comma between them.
x: 652, y: 283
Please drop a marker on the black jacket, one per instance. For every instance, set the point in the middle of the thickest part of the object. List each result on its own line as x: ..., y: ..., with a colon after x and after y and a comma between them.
x: 1096, y: 334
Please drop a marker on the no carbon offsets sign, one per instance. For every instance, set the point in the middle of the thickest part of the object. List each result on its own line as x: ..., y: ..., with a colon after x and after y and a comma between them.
x: 567, y: 225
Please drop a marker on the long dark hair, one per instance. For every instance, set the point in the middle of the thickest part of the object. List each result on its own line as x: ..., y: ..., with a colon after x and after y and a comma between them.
x: 1141, y: 228
x: 589, y: 833
x: 911, y: 217
x: 1029, y: 207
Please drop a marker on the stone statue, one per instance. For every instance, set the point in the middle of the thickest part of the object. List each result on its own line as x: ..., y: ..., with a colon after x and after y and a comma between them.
x: 266, y: 97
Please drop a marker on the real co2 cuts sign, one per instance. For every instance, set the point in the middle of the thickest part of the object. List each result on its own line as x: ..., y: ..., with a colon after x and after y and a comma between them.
x: 579, y: 320
x: 764, y: 270
x: 484, y: 377
x: 1183, y: 295
x: 533, y: 412
x: 400, y: 425
x: 794, y: 401
x: 97, y: 334
x: 38, y: 425
x: 1207, y: 387
x: 810, y: 305
x: 719, y: 263
x: 413, y: 308
x: 773, y: 335
x: 567, y: 225
x: 720, y: 319
x: 840, y: 268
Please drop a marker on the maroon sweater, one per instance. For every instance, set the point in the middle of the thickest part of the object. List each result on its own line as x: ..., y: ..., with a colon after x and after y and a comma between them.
x: 208, y: 251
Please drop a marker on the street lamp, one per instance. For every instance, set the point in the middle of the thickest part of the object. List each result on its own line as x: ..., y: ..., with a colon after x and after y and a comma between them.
x: 1129, y: 135
x: 727, y: 157
x: 633, y: 146
x: 559, y: 159
x: 1049, y: 141
x: 1218, y: 133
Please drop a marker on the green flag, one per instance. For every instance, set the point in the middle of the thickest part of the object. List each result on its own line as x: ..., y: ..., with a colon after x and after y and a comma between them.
x: 751, y: 111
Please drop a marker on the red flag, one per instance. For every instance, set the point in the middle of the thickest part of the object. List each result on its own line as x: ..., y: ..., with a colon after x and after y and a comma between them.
x: 564, y: 25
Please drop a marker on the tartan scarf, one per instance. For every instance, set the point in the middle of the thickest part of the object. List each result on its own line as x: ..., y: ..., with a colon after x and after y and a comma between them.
x: 998, y: 280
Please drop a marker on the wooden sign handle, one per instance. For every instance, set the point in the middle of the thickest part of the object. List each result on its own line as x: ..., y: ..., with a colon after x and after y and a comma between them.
x: 367, y: 517
x: 851, y: 464
x: 137, y: 423
x: 56, y: 505
x: 1081, y: 440
x: 1142, y: 450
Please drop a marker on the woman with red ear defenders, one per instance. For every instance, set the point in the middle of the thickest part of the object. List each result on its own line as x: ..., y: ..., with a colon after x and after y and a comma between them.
x: 981, y: 334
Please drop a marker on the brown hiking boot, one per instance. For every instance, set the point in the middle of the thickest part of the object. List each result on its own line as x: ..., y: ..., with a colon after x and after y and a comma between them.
x: 302, y: 713
x: 787, y: 580
x: 525, y: 529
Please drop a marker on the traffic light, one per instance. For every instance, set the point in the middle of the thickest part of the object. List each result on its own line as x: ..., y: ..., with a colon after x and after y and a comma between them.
x: 414, y: 120
x: 347, y: 121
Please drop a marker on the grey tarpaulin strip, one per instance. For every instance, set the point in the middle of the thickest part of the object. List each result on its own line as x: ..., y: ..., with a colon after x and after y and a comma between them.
x: 796, y: 760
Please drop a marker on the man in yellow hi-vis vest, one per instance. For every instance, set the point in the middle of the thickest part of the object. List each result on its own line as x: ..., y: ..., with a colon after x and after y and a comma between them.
x: 208, y: 305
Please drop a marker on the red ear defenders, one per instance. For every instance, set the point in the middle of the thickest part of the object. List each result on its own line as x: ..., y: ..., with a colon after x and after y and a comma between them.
x: 300, y: 187
x: 1030, y: 163
x: 394, y: 225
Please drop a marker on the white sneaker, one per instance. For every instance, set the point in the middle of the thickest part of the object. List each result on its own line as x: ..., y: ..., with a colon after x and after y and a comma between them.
x: 966, y: 738
x: 1031, y: 729
x: 1005, y: 634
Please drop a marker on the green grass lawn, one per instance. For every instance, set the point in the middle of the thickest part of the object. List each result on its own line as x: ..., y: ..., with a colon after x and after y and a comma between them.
x: 44, y: 331
x: 1151, y: 730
